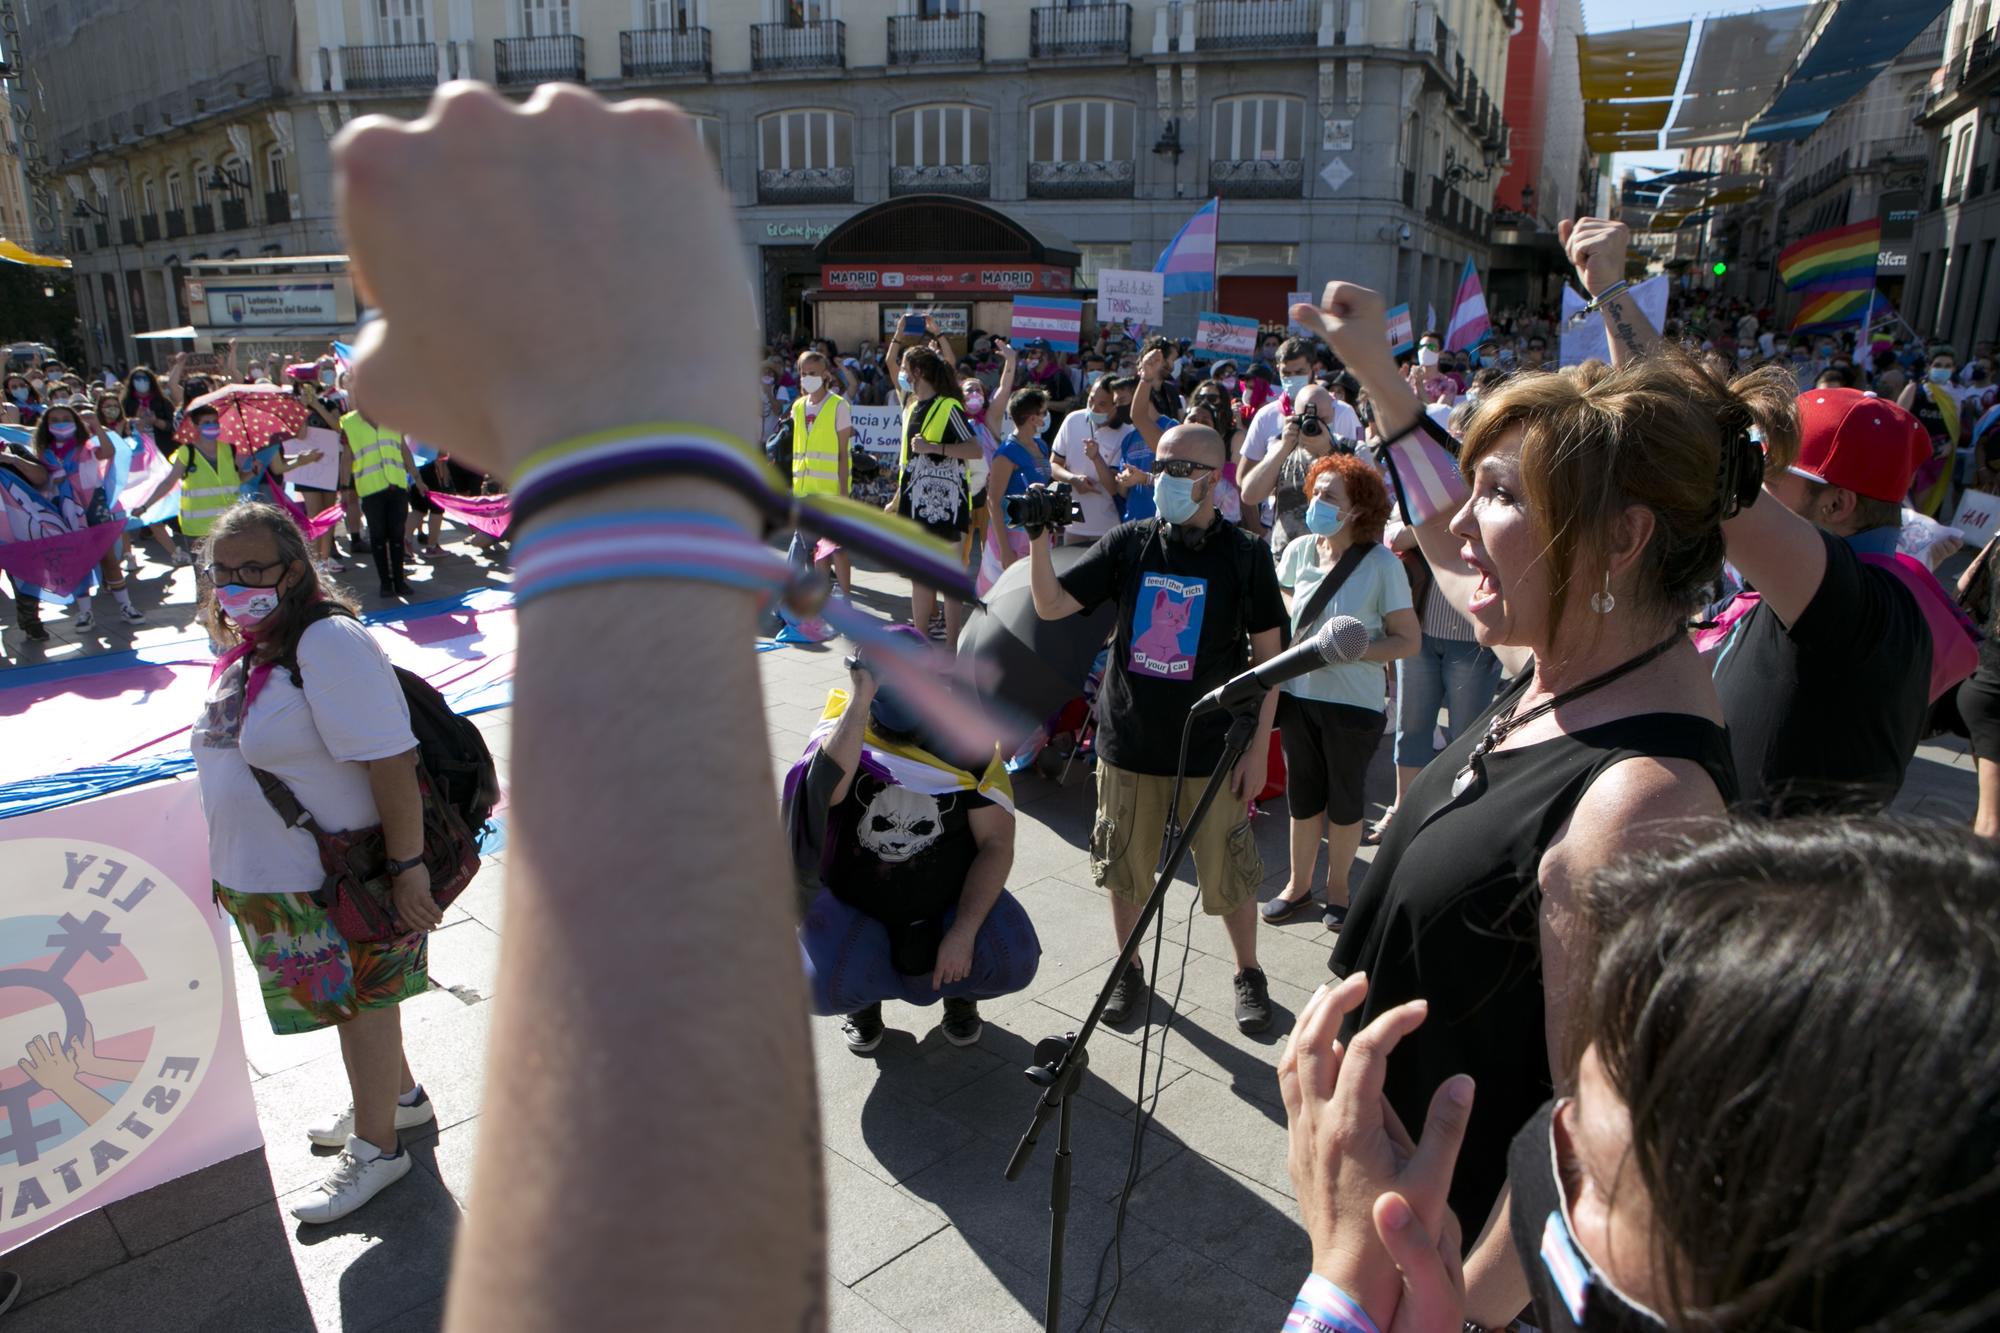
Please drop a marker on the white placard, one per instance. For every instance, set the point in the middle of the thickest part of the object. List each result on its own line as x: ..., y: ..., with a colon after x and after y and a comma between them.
x: 879, y: 430
x: 1978, y: 517
x: 1124, y: 294
x: 1336, y: 173
x: 325, y: 474
x: 1588, y: 341
x: 1292, y: 325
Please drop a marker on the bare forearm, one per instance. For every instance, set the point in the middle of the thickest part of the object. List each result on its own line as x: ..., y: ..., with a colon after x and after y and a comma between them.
x: 599, y: 887
x: 983, y: 883
x: 1392, y: 648
x: 398, y: 804
x: 1632, y: 334
x: 1051, y: 601
x: 1496, y: 1288
x: 1262, y: 478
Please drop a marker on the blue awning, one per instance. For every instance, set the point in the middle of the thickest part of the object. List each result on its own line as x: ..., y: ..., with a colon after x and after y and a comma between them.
x: 1857, y: 41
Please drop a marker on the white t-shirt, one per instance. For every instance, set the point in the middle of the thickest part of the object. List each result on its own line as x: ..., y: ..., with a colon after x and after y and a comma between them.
x: 1073, y: 439
x: 316, y: 740
x: 843, y: 419
x: 1269, y: 423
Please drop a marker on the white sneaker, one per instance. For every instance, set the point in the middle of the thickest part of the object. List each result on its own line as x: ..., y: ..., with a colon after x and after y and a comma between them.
x: 359, y: 1174
x: 85, y: 617
x: 334, y: 1133
x: 133, y: 615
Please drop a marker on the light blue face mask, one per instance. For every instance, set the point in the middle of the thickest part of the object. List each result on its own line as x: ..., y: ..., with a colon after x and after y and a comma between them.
x: 903, y: 382
x: 1324, y: 519
x: 1175, y: 499
x: 1098, y: 420
x: 1940, y: 374
x: 1295, y: 384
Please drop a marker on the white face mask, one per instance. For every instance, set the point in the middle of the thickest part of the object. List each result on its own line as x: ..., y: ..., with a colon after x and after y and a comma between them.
x: 811, y: 383
x: 1427, y: 356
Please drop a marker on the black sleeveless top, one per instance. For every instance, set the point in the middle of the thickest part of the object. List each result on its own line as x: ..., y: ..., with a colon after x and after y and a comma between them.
x: 1449, y: 914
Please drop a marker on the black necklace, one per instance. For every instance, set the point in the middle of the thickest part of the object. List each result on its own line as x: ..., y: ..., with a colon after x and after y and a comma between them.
x: 1503, y: 727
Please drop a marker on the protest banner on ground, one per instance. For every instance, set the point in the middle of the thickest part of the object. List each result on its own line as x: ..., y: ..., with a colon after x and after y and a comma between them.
x: 1058, y: 322
x: 1128, y: 294
x: 1217, y: 336
x: 110, y: 943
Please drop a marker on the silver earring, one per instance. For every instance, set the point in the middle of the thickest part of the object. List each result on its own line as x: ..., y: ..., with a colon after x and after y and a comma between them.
x: 1603, y: 602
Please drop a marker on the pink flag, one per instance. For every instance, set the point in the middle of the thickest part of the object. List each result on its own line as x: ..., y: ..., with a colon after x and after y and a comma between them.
x: 60, y: 563
x: 1469, y: 325
x: 318, y: 525
x: 489, y: 513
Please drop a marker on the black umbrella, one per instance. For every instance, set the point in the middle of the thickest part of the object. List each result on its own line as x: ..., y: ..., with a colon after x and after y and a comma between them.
x: 1030, y: 665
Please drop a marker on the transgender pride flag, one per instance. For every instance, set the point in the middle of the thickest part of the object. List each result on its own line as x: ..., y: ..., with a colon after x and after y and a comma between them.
x: 1469, y: 326
x: 1189, y: 259
x: 1058, y: 322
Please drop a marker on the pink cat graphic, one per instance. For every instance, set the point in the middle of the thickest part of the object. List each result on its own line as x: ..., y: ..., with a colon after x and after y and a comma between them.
x: 1162, y: 640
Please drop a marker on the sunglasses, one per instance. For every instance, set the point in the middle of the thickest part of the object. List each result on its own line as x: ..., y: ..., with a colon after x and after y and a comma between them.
x: 1184, y: 468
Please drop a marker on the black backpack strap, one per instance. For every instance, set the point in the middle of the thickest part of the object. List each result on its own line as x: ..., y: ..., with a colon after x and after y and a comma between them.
x: 285, y: 803
x: 1339, y: 574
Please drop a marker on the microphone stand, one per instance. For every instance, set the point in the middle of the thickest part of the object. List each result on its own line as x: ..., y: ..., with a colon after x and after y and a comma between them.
x: 1060, y: 1062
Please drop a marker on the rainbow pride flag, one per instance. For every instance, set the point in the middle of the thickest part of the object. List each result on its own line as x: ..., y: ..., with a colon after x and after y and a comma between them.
x: 1832, y: 304
x: 1843, y: 252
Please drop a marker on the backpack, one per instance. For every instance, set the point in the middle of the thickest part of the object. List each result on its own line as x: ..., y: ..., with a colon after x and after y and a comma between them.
x: 452, y: 750
x: 778, y: 449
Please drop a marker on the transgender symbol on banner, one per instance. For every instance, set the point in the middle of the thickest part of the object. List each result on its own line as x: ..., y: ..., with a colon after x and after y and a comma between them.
x: 113, y: 995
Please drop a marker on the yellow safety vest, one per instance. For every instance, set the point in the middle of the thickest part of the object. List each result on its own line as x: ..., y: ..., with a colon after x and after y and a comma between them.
x: 378, y: 455
x: 936, y: 418
x: 816, y: 448
x: 206, y: 488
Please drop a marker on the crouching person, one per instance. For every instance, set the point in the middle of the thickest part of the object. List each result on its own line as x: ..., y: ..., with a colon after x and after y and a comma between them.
x: 901, y: 857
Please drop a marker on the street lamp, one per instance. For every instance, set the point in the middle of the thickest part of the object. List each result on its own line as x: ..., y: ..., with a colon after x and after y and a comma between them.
x: 1169, y: 145
x: 229, y: 183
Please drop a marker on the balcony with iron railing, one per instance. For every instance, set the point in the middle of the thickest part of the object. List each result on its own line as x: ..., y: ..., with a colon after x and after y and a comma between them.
x: 970, y: 180
x: 235, y: 214
x: 806, y: 185
x: 128, y: 231
x: 949, y: 39
x: 204, y: 219
x: 102, y: 233
x: 177, y: 224
x: 1255, y: 25
x: 1257, y: 178
x: 812, y: 45
x: 663, y: 53
x: 1080, y: 180
x: 375, y: 68
x: 1056, y: 32
x: 149, y: 227
x: 277, y: 206
x: 538, y: 59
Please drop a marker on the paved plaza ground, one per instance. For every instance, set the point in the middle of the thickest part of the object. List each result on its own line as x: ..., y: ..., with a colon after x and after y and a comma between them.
x: 925, y: 1234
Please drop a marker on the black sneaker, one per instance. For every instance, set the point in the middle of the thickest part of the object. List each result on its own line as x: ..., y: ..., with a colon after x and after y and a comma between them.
x: 1127, y: 995
x: 863, y: 1029
x: 34, y: 631
x: 1253, y: 1001
x: 403, y: 588
x: 387, y: 591
x: 962, y: 1024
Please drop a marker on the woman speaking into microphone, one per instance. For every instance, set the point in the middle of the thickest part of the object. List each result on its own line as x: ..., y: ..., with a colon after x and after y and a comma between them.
x: 1577, y: 528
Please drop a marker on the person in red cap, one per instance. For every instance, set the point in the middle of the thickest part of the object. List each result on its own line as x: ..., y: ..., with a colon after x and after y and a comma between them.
x: 1825, y: 670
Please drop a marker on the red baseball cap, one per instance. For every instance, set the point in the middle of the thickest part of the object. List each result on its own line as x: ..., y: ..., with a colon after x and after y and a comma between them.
x: 1862, y: 443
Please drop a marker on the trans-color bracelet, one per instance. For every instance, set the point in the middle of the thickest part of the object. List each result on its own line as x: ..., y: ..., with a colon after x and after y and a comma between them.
x: 609, y: 459
x: 1424, y: 471
x: 1322, y: 1307
x: 647, y: 544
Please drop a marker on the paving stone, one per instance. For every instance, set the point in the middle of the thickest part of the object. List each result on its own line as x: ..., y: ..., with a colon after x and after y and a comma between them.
x: 72, y: 1253
x: 882, y: 1131
x: 1216, y: 1121
x: 449, y: 1156
x: 465, y: 959
x: 1178, y: 1289
x: 849, y: 1313
x: 238, y: 1274
x: 426, y: 1318
x: 382, y: 1261
x: 165, y: 1214
x: 1010, y: 1219
x: 1228, y: 1218
x: 946, y: 1283
x: 869, y: 1222
x: 1109, y: 1081
x: 914, y: 1057
x: 270, y: 1053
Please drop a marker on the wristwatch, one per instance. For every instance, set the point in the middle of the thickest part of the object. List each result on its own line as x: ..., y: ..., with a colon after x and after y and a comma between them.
x: 398, y: 867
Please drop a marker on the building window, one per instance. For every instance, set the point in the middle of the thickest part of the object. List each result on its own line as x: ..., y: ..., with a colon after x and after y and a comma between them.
x: 1096, y: 257
x: 671, y: 15
x: 280, y: 174
x: 150, y: 196
x: 798, y: 13
x: 199, y: 171
x: 1258, y: 129
x: 709, y: 130
x: 545, y: 18
x: 175, y: 201
x: 940, y: 136
x: 805, y: 140
x: 1085, y: 130
x: 125, y: 199
x: 938, y: 9
x: 402, y: 22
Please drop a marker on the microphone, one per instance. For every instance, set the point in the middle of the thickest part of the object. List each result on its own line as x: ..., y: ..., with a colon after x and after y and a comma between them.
x: 1341, y: 639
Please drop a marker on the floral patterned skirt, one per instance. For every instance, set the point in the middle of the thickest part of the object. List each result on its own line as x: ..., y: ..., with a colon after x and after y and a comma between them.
x: 313, y: 977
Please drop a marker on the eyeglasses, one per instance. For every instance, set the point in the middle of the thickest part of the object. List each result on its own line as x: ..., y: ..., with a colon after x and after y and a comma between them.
x: 1184, y: 468
x: 249, y: 575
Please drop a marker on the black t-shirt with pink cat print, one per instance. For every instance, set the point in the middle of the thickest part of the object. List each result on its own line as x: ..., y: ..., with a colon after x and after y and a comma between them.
x: 1185, y: 616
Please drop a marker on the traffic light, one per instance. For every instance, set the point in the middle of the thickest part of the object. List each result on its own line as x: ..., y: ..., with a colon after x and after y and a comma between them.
x: 1720, y: 268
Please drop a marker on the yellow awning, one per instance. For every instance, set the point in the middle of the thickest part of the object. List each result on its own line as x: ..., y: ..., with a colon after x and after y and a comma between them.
x: 1601, y: 118
x: 1640, y: 62
x: 1643, y: 142
x: 15, y: 254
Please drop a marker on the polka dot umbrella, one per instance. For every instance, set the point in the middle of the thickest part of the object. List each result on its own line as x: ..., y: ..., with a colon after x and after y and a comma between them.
x: 251, y: 415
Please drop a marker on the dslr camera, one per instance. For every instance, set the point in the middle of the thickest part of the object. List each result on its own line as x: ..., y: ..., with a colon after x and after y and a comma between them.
x: 1309, y: 422
x: 1042, y: 507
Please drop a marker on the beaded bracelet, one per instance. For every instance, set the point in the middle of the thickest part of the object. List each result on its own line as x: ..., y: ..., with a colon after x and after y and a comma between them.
x: 611, y: 458
x: 657, y: 544
x: 1322, y: 1307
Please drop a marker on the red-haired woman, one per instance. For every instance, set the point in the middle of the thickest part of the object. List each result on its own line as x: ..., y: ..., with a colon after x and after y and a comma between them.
x: 1331, y: 720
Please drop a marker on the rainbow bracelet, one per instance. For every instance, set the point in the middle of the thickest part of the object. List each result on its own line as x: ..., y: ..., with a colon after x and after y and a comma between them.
x: 1322, y: 1307
x: 605, y: 459
x: 657, y: 544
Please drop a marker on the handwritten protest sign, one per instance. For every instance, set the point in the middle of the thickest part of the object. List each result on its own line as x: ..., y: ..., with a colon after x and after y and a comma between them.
x: 1978, y: 517
x: 1129, y: 294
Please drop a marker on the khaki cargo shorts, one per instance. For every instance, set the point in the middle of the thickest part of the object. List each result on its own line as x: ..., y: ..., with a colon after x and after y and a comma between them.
x: 1125, y: 840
